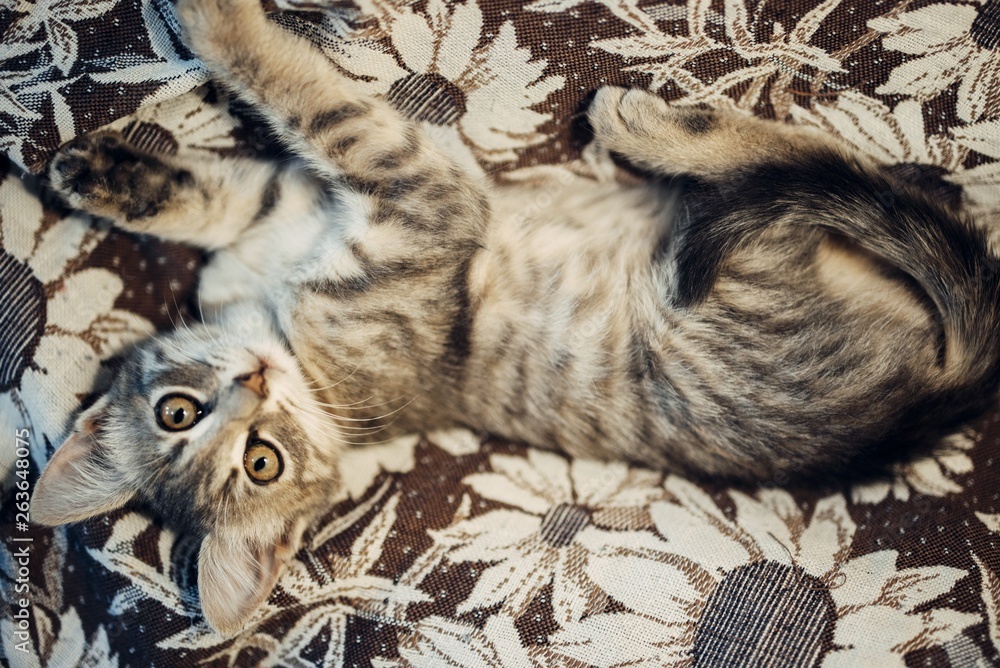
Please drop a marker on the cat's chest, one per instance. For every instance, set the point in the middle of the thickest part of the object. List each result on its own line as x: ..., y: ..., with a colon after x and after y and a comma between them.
x: 302, y: 242
x: 551, y: 249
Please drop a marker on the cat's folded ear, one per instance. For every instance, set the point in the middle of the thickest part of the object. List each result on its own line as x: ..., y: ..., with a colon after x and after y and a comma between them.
x: 79, y: 482
x: 234, y: 578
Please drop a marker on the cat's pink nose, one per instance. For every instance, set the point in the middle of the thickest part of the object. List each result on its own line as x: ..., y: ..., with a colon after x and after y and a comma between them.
x: 254, y: 381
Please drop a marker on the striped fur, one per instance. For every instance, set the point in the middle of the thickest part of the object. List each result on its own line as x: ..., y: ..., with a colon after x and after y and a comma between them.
x: 769, y: 307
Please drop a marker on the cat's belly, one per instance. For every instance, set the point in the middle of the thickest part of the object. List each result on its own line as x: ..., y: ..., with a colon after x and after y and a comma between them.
x: 558, y: 298
x: 567, y: 297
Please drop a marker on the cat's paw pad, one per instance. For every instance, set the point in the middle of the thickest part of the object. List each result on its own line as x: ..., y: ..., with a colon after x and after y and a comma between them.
x: 102, y: 174
x: 76, y: 170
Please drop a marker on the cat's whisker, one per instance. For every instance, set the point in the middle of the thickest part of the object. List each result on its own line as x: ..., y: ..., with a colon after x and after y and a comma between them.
x: 201, y: 306
x: 361, y: 429
x: 324, y: 428
x: 178, y: 311
x: 350, y: 405
x: 340, y: 418
x: 328, y: 426
x: 376, y: 418
x: 183, y: 354
x: 329, y: 432
x: 148, y: 329
x: 349, y: 376
x: 177, y: 332
x: 362, y: 404
x: 310, y: 381
x: 358, y: 405
x: 353, y: 428
x: 326, y: 422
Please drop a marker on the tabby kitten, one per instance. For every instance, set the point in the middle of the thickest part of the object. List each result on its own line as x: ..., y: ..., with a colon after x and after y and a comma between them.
x: 772, y: 314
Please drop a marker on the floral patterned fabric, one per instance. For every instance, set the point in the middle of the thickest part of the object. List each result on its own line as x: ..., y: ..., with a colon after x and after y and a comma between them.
x: 454, y: 549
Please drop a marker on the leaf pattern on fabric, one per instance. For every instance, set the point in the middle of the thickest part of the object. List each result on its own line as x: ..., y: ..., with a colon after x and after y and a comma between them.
x: 44, y: 64
x: 951, y: 44
x: 890, y: 136
x: 773, y: 63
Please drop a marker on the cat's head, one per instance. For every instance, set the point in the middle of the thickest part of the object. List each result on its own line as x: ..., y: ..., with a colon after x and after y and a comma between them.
x: 218, y: 438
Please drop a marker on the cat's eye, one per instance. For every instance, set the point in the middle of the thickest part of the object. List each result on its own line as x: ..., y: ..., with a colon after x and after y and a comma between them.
x: 177, y: 412
x: 262, y: 462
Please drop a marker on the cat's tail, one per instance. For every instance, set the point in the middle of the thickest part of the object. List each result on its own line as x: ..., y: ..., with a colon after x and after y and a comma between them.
x: 852, y: 382
x: 949, y: 258
x: 947, y: 255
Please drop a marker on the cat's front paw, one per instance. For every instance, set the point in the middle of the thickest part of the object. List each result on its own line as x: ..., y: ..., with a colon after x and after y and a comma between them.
x: 628, y: 120
x: 103, y: 175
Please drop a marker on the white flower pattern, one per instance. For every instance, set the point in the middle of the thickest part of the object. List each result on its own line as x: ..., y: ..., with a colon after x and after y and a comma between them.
x: 444, y: 76
x: 804, y: 598
x: 553, y: 526
x: 437, y: 641
x: 990, y: 583
x: 981, y: 183
x: 67, y: 323
x: 329, y: 590
x: 890, y: 136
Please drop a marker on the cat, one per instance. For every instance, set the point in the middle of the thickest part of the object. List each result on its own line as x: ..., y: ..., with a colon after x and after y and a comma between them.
x: 770, y: 306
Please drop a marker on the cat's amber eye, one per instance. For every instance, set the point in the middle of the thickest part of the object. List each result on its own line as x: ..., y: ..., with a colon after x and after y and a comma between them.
x: 262, y: 462
x: 177, y: 412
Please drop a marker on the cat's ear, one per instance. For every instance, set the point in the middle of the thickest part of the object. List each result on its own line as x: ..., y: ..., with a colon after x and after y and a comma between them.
x: 234, y: 578
x: 79, y: 482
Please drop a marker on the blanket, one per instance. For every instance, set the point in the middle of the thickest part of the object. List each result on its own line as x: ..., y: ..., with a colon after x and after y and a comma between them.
x: 455, y: 548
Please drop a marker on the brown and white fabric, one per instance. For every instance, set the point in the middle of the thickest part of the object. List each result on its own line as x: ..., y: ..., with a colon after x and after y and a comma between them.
x: 455, y: 549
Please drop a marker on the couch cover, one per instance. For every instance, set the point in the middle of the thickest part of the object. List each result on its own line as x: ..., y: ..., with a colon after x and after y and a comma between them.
x: 454, y: 549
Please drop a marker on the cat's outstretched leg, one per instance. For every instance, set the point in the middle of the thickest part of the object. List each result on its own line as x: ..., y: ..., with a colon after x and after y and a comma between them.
x: 206, y: 202
x: 417, y: 203
x: 667, y: 139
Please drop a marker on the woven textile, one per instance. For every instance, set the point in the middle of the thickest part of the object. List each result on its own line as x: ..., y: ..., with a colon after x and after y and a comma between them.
x: 453, y: 549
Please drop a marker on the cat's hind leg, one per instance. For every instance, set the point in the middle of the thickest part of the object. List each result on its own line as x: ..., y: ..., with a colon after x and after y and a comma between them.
x: 670, y: 139
x: 206, y: 201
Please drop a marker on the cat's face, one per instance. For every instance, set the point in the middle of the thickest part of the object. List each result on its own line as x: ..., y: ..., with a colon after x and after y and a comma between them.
x: 217, y: 437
